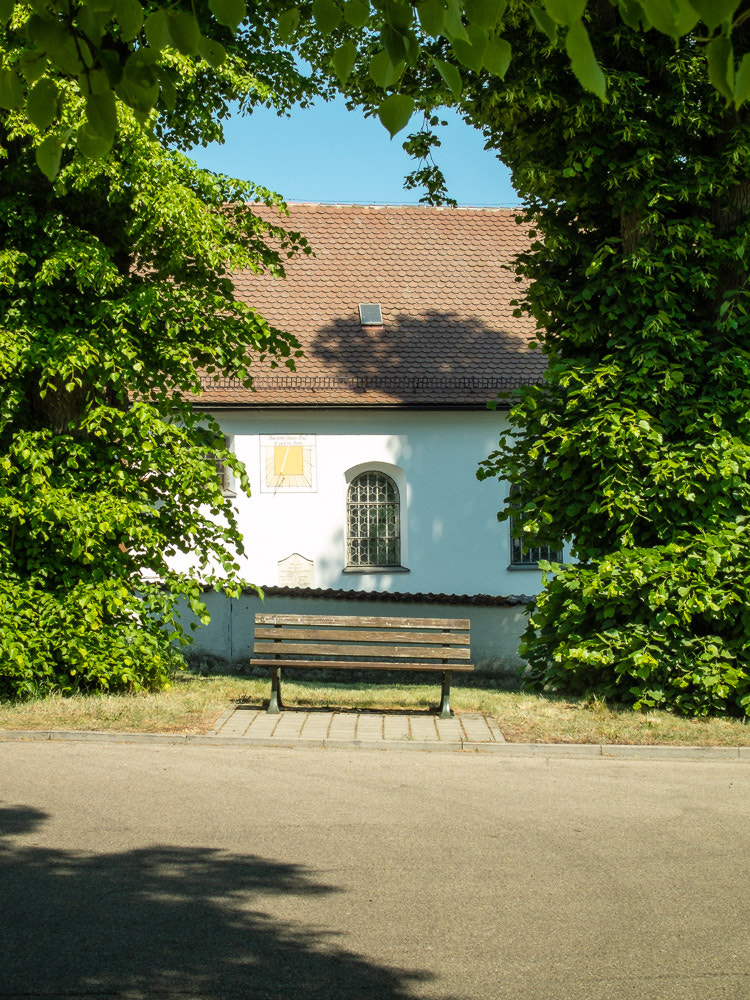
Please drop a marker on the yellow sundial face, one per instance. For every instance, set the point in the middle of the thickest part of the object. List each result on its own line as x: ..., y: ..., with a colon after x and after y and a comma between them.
x: 288, y: 463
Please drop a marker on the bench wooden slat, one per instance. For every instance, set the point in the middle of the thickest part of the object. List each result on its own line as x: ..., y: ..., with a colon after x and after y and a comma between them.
x: 376, y: 649
x: 353, y: 620
x: 359, y: 665
x: 380, y: 635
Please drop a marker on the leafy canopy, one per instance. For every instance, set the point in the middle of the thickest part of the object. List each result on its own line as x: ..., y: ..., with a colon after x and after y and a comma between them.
x: 135, y: 54
x: 115, y: 298
x: 636, y: 447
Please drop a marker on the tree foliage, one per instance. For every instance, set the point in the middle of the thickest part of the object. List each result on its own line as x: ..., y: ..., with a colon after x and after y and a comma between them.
x: 136, y: 53
x: 636, y: 447
x: 115, y: 294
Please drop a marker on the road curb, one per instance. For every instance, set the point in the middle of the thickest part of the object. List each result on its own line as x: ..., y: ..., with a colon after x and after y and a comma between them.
x: 569, y: 750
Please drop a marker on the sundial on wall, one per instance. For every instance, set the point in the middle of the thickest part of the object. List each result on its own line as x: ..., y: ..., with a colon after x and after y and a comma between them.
x: 287, y: 463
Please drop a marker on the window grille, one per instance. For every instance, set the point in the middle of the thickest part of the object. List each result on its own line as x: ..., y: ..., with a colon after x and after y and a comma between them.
x: 373, y: 535
x: 532, y: 555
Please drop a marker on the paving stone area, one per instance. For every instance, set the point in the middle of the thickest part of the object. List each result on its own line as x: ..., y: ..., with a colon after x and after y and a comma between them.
x: 380, y: 728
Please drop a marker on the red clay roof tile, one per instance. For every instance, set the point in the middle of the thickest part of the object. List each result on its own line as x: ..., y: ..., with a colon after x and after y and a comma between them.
x: 440, y: 275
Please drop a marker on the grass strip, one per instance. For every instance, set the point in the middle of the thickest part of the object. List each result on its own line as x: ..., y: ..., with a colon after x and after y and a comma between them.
x: 193, y: 704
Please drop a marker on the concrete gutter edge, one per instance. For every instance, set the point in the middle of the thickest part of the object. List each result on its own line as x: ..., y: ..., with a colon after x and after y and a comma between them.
x: 579, y: 750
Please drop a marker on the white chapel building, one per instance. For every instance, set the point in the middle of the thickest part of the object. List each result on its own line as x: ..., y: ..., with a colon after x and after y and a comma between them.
x: 363, y: 461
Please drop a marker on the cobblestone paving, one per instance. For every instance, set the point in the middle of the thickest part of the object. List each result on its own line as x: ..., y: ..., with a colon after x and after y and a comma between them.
x: 332, y: 727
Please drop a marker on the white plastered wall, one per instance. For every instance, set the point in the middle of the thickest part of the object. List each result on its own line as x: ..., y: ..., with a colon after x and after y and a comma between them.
x: 452, y: 542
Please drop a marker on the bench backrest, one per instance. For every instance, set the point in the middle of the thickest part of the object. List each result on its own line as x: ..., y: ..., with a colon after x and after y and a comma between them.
x: 350, y: 637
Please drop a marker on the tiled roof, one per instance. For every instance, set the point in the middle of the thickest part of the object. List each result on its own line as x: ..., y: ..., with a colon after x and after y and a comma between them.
x: 449, y: 337
x: 478, y: 600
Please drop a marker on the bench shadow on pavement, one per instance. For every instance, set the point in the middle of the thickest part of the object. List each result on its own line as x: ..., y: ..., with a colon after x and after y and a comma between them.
x: 261, y: 706
x: 167, y: 921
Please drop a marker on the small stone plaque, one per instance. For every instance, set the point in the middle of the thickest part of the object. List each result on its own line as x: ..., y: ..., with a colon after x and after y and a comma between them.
x: 296, y: 571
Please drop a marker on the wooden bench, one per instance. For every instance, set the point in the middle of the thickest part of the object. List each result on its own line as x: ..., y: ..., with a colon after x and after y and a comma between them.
x: 342, y: 642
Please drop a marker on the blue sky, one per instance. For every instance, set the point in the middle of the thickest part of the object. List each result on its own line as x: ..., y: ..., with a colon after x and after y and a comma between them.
x: 329, y: 154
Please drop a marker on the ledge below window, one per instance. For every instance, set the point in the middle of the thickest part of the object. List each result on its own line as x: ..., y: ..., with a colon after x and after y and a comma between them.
x: 522, y: 567
x: 366, y: 570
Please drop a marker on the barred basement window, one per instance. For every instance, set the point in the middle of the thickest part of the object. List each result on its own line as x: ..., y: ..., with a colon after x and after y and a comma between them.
x: 532, y: 555
x: 373, y: 532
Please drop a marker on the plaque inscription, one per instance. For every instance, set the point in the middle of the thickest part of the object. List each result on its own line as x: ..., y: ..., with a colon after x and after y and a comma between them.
x: 296, y: 571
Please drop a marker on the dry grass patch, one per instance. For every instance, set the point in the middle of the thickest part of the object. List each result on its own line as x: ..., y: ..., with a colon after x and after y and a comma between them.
x: 532, y: 718
x: 193, y: 704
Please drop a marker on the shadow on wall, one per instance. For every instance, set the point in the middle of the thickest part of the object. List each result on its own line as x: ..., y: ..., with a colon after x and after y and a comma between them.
x: 166, y: 921
x: 438, y: 345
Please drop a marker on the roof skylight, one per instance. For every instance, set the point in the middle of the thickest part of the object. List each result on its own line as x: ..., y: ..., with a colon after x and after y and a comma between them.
x: 370, y: 314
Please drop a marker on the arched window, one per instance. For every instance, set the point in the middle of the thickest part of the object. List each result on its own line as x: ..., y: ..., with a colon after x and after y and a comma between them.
x: 521, y: 552
x: 373, y: 532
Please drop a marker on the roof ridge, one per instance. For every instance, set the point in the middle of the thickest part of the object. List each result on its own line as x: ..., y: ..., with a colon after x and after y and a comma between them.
x: 400, y: 207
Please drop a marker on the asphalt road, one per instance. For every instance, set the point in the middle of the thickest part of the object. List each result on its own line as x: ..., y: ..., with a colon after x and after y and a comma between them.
x: 136, y: 871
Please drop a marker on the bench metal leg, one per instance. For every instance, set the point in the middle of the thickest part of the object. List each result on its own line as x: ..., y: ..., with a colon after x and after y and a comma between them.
x: 445, y: 708
x: 275, y: 705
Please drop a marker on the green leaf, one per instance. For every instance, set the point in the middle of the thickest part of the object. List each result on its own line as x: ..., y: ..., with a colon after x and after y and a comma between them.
x: 497, y: 57
x: 6, y: 10
x: 720, y: 58
x: 32, y: 65
x: 156, y: 29
x: 101, y: 6
x: 287, y: 24
x: 168, y: 90
x: 229, y: 12
x: 139, y: 86
x: 101, y: 112
x: 431, y: 15
x: 91, y: 144
x: 94, y: 82
x: 383, y: 71
x: 327, y: 15
x: 357, y: 13
x: 565, y: 12
x: 91, y: 23
x: 454, y: 25
x: 485, y: 13
x: 48, y: 155
x: 450, y: 75
x: 583, y: 61
x: 544, y: 22
x: 399, y: 15
x: 112, y: 65
x: 343, y: 60
x: 395, y: 112
x: 394, y: 43
x: 742, y: 81
x: 672, y: 17
x: 47, y: 32
x: 213, y: 52
x: 632, y: 14
x: 470, y: 54
x: 129, y: 15
x: 715, y: 12
x: 42, y: 103
x: 184, y: 32
x: 11, y: 89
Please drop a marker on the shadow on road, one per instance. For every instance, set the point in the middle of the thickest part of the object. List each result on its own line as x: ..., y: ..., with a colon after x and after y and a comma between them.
x: 166, y: 921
